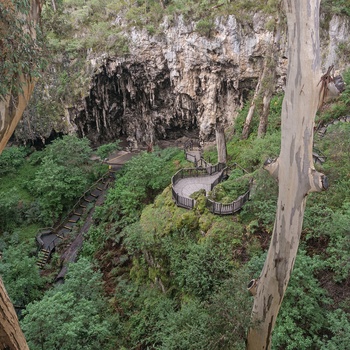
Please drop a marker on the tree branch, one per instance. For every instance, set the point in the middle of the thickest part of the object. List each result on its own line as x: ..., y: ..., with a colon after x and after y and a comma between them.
x: 272, y: 166
x: 318, y: 181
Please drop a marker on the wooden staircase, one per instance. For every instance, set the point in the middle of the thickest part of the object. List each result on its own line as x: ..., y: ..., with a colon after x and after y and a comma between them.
x: 43, y: 257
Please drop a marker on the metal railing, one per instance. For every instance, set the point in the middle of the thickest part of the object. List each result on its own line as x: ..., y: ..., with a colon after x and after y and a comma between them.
x: 214, y: 207
x: 230, y: 208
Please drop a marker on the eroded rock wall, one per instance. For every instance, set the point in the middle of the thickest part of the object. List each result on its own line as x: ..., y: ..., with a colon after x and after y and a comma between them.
x: 173, y: 83
x: 180, y: 81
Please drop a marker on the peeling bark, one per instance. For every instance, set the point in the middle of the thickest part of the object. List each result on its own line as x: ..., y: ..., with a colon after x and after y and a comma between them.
x: 294, y: 168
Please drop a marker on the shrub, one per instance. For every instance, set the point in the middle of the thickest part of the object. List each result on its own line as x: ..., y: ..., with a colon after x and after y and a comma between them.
x: 11, y: 159
x: 104, y: 150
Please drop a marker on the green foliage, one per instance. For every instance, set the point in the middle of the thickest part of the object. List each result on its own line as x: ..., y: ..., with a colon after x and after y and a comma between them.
x: 339, y: 325
x: 229, y: 309
x: 187, y: 328
x: 336, y: 7
x: 21, y: 275
x: 197, y: 267
x: 11, y: 159
x: 338, y: 249
x: 143, y: 309
x: 62, y: 177
x: 12, y: 211
x: 105, y: 150
x: 204, y: 27
x: 305, y: 313
x: 131, y: 192
x: 76, y: 311
x: 252, y: 153
x: 229, y: 190
x: 303, y: 317
x: 20, y: 53
x: 69, y: 151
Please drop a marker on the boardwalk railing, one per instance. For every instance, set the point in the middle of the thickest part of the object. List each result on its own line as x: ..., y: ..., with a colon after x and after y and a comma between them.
x: 196, y: 172
x: 214, y: 207
x: 230, y: 208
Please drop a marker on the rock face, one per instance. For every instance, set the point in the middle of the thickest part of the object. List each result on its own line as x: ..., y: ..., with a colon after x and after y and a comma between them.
x: 181, y: 82
x: 175, y: 83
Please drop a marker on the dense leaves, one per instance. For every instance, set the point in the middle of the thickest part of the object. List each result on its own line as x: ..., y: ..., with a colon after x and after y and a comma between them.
x: 62, y: 176
x: 72, y: 316
x: 19, y: 51
x: 21, y: 275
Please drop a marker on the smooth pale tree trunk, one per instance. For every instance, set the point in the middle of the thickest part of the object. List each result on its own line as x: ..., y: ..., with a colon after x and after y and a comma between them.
x: 293, y: 168
x: 269, y: 81
x: 265, y: 113
x: 11, y: 109
x: 249, y: 117
x: 221, y: 144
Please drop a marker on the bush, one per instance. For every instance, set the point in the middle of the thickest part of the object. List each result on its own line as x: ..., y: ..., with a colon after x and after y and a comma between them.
x: 62, y: 176
x: 205, y: 26
x: 11, y: 159
x: 104, y: 150
x: 76, y: 310
x: 21, y: 275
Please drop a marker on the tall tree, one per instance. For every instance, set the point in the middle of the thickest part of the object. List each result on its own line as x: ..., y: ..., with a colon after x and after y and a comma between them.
x: 293, y: 168
x: 18, y: 45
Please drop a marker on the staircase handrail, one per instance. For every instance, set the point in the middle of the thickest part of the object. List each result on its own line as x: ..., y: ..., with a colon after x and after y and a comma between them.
x: 81, y: 198
x: 63, y: 220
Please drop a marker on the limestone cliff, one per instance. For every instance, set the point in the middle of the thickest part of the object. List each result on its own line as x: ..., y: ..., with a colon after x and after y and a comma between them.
x: 180, y: 82
x: 176, y: 82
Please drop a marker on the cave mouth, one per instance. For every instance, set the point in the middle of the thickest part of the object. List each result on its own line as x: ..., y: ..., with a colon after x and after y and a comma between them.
x: 39, y: 142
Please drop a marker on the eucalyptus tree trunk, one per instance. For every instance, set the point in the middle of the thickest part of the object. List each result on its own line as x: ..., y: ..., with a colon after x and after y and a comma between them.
x: 249, y: 117
x: 221, y: 144
x: 11, y: 109
x: 270, y: 77
x: 293, y: 168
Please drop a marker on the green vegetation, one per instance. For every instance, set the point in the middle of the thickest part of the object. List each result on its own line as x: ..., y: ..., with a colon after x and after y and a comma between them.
x: 151, y: 274
x: 173, y: 278
x: 20, y: 54
x: 105, y: 150
x: 72, y: 316
x: 20, y: 273
x: 37, y: 188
